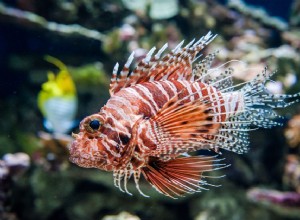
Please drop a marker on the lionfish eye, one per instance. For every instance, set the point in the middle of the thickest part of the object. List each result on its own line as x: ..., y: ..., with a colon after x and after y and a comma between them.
x: 95, y: 124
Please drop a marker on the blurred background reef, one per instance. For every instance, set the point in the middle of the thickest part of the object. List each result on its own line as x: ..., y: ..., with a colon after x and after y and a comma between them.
x: 56, y: 60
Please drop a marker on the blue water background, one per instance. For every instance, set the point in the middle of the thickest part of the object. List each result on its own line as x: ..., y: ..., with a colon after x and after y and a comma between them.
x: 278, y: 8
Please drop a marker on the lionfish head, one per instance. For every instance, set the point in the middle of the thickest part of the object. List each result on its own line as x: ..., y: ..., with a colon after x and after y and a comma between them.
x: 88, y: 149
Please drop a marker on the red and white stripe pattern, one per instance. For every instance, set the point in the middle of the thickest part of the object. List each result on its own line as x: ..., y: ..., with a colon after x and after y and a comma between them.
x: 165, y: 108
x: 147, y: 98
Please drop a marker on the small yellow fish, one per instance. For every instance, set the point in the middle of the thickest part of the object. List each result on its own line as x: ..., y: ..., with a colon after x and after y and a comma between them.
x: 57, y: 99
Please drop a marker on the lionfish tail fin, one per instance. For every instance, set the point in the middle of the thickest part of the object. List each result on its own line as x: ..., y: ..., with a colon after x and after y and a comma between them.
x: 174, y: 178
x: 257, y: 111
x: 260, y: 103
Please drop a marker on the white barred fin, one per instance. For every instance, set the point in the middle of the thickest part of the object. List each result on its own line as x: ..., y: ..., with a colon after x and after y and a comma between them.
x: 200, y: 70
x: 177, y: 64
x: 259, y: 103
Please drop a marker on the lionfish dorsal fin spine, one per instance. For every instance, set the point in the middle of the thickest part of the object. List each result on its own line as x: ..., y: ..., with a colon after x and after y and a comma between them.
x: 177, y: 64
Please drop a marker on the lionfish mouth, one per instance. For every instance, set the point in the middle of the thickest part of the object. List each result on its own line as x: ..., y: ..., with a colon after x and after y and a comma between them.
x: 82, y: 160
x: 81, y: 156
x: 76, y: 155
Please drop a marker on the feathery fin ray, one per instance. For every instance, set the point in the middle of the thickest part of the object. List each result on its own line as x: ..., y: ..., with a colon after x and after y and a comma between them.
x: 173, y: 124
x: 177, y: 177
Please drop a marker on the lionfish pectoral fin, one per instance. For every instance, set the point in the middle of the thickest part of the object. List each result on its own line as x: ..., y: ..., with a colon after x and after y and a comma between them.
x: 184, y: 126
x: 174, y: 178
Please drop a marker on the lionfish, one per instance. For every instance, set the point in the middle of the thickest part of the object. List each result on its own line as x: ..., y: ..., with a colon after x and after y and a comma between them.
x: 166, y: 108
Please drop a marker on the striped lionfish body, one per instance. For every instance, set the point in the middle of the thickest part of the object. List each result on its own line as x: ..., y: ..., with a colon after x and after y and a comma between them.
x: 166, y: 108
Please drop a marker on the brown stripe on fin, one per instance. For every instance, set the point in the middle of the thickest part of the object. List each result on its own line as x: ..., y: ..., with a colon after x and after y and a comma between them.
x: 183, y: 126
x: 179, y: 176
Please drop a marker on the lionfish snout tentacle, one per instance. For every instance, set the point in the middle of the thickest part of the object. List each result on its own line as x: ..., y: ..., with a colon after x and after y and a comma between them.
x: 118, y: 176
x: 126, y: 178
x: 115, y: 174
x: 137, y: 175
x: 124, y: 175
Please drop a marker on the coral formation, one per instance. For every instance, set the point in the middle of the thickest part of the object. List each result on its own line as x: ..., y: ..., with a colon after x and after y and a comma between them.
x: 284, y: 203
x: 259, y: 14
x: 121, y: 216
x: 12, y: 166
x: 292, y: 132
x: 40, y: 22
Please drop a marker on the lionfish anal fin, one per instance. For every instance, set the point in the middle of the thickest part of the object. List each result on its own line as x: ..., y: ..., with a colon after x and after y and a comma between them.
x: 174, y: 178
x: 175, y: 65
x: 183, y: 126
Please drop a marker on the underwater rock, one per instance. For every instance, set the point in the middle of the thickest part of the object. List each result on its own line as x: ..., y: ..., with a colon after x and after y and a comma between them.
x: 197, y: 18
x: 292, y: 131
x: 54, y: 152
x: 259, y: 14
x: 135, y: 5
x: 291, y: 199
x: 284, y: 203
x: 289, y: 80
x: 4, y: 171
x: 292, y: 37
x: 135, y: 37
x: 33, y: 20
x: 16, y: 163
x: 121, y: 216
x: 229, y: 202
x: 50, y: 190
x: 12, y: 166
x: 158, y: 9
x: 249, y: 53
x: 90, y: 74
x: 291, y: 175
x: 285, y: 51
x: 112, y: 43
x: 275, y: 87
x: 295, y: 15
x: 163, y: 9
x: 127, y: 32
